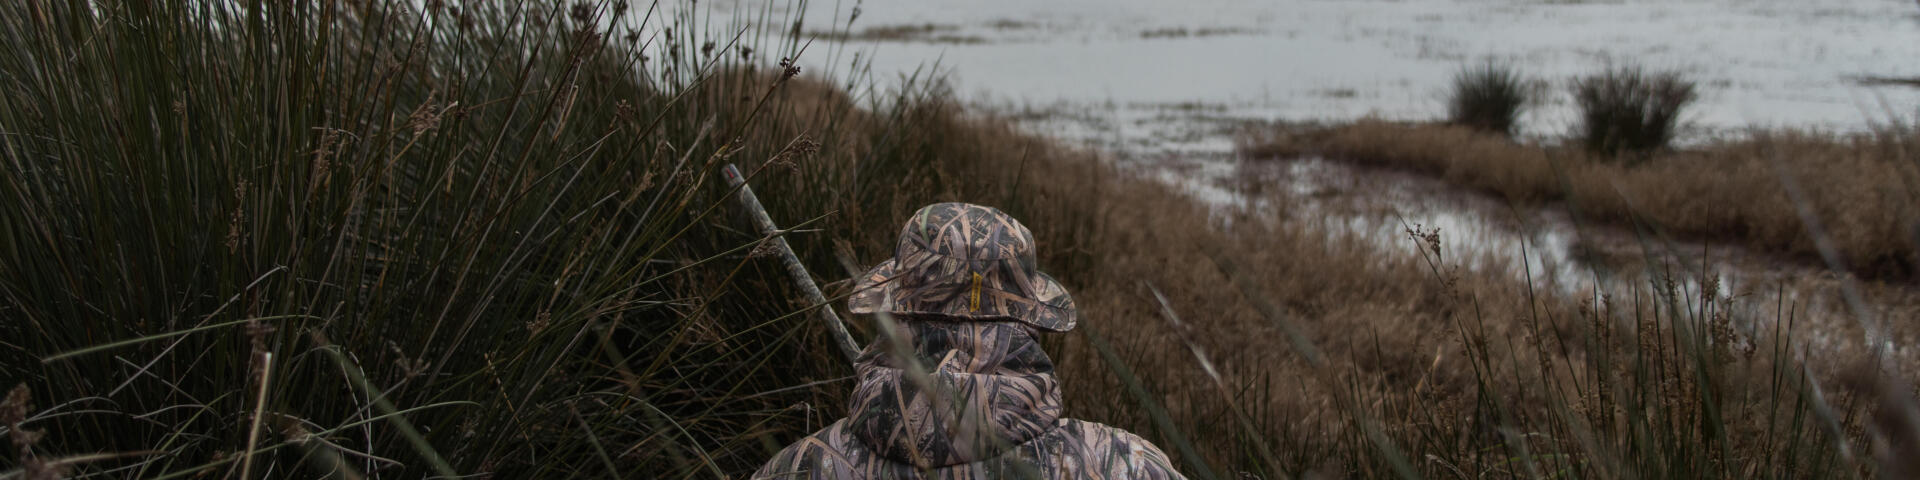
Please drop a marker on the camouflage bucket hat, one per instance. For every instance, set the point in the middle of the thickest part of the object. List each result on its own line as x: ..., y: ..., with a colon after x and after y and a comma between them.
x: 965, y: 261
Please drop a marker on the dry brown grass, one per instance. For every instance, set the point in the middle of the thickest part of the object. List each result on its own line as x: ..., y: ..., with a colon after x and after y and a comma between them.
x: 1439, y: 358
x: 1857, y: 186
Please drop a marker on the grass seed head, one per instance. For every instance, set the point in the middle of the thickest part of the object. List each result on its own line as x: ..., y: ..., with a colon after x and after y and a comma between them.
x: 788, y: 68
x: 582, y: 12
x: 766, y: 249
x: 540, y: 322
x: 427, y: 116
x: 13, y: 412
x: 796, y: 152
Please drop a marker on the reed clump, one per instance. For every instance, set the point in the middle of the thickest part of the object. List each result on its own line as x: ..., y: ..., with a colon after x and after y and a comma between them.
x: 1630, y: 110
x: 1489, y: 96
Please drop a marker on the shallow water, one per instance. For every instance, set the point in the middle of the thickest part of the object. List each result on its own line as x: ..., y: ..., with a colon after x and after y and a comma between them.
x: 1547, y: 248
x: 1164, y: 88
x: 1760, y: 62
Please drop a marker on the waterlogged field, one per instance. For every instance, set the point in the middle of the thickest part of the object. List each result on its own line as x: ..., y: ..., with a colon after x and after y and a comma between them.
x: 1146, y: 74
x: 1168, y: 88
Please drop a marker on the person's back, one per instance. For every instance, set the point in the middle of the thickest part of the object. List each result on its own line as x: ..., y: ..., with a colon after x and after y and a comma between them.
x: 967, y: 391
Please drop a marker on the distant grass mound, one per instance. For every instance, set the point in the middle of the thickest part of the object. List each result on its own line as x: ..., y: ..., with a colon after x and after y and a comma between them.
x: 1629, y: 110
x: 1488, y: 96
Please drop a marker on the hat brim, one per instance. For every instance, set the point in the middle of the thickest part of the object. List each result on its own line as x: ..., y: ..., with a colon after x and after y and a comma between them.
x: 876, y: 291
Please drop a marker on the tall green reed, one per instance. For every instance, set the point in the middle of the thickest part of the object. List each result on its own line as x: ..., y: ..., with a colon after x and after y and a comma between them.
x: 345, y: 239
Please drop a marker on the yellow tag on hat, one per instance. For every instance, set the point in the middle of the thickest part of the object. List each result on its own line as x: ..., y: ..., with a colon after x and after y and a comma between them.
x: 975, y: 296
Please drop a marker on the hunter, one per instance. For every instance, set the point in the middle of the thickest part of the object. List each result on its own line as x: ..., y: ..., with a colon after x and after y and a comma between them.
x: 962, y: 389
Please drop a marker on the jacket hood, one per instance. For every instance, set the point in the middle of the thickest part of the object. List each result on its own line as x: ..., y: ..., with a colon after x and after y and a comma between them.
x: 989, y: 389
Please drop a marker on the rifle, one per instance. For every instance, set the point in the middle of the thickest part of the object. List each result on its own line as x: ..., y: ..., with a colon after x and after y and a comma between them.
x: 795, y: 269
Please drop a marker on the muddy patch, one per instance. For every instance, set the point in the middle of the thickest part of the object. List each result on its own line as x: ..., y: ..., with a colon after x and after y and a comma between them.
x: 1878, y: 81
x: 922, y: 33
x: 1184, y: 32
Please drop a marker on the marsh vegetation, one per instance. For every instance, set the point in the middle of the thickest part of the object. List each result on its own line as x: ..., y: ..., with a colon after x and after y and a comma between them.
x: 367, y: 239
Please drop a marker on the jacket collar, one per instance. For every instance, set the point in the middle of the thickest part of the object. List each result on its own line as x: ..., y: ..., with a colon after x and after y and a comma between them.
x: 988, y: 387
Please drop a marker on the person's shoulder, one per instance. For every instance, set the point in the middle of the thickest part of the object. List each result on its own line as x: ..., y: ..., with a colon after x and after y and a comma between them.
x: 824, y: 454
x: 1135, y: 456
x: 1098, y: 434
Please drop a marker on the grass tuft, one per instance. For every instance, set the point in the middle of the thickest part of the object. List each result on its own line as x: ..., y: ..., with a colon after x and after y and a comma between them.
x: 1628, y: 110
x: 1489, y: 96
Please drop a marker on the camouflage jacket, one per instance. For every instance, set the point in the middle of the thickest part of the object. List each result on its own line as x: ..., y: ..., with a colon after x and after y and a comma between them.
x: 999, y: 417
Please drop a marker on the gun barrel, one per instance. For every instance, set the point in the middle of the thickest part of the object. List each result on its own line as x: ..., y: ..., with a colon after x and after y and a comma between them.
x: 795, y: 269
